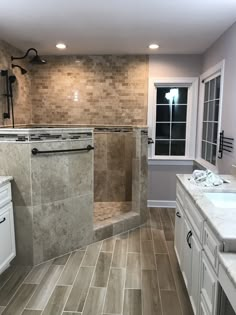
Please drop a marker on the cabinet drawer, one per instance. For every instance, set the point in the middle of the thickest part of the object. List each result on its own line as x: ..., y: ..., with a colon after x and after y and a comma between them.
x: 180, y: 194
x: 209, y: 286
x: 5, y: 194
x: 210, y: 246
x: 195, y: 217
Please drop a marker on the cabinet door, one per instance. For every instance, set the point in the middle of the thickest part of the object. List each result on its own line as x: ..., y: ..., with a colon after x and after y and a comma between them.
x: 196, y: 265
x: 187, y: 257
x: 209, y: 285
x: 7, y: 237
x: 179, y: 226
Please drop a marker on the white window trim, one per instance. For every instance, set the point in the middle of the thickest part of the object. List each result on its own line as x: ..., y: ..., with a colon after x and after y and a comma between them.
x: 191, y: 132
x: 218, y: 69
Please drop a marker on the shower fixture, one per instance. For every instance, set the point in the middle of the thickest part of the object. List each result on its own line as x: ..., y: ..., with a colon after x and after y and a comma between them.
x: 35, y: 60
x: 23, y: 71
x: 9, y: 95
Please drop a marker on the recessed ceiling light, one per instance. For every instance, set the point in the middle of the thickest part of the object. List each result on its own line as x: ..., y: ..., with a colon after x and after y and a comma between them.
x: 153, y: 46
x: 61, y: 46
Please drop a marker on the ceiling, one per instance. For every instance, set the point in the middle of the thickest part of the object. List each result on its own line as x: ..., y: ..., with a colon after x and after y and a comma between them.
x: 115, y: 26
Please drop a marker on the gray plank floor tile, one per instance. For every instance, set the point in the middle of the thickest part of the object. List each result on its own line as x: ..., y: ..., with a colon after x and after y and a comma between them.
x: 94, y: 302
x: 1, y: 309
x: 170, y: 303
x: 150, y: 293
x: 45, y: 288
x: 20, y: 300
x: 101, y: 273
x: 167, y: 224
x: 179, y: 282
x: 146, y: 233
x: 147, y: 247
x: 114, y: 297
x: 5, y: 276
x: 91, y: 255
x: 71, y: 268
x: 57, y: 301
x: 134, y: 241
x: 133, y: 271
x: 62, y: 260
x: 108, y: 245
x: 71, y: 313
x: 31, y: 312
x: 171, y: 212
x: 165, y: 276
x: 148, y: 262
x: 11, y: 286
x: 132, y: 302
x: 159, y: 242
x: 155, y: 218
x: 80, y: 290
x: 37, y: 273
x: 120, y: 253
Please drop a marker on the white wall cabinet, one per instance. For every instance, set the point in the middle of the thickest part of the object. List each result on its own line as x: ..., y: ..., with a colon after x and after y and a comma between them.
x: 7, y: 232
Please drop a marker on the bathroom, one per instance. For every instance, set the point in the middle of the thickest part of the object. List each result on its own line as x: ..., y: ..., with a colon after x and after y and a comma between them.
x: 106, y: 110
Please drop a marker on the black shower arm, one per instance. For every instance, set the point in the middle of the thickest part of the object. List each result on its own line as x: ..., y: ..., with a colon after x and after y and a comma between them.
x: 26, y: 54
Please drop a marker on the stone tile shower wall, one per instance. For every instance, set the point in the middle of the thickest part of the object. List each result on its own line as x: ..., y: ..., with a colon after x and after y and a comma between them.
x: 113, y: 156
x: 92, y: 90
x: 21, y: 89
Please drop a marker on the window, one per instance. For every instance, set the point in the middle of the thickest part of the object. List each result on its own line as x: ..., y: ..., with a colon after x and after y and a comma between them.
x: 210, y: 119
x: 209, y: 122
x: 171, y: 116
x: 172, y: 112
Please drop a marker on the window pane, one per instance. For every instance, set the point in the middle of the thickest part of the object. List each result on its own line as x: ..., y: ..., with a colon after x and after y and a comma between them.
x: 215, y: 132
x: 179, y: 112
x: 205, y: 114
x: 163, y: 131
x: 204, y: 131
x: 208, y: 152
x: 217, y: 91
x: 183, y: 96
x: 212, y: 89
x: 213, y: 160
x: 216, y: 115
x: 206, y: 98
x: 210, y: 132
x: 177, y: 147
x: 178, y: 131
x: 162, y: 147
x: 203, y: 155
x: 211, y: 111
x: 161, y: 95
x: 163, y: 113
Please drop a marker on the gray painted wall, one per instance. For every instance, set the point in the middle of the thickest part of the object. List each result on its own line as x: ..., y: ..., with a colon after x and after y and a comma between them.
x: 225, y: 48
x: 162, y: 178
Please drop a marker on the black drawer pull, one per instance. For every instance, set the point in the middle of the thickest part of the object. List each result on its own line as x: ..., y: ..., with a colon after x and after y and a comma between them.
x: 178, y: 214
x: 188, y: 239
x: 3, y: 220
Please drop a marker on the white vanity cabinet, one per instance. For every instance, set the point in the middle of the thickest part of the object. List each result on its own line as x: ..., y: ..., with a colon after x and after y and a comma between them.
x: 7, y: 232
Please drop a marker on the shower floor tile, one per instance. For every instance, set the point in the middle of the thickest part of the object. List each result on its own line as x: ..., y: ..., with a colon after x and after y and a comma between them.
x: 106, y: 211
x: 132, y: 273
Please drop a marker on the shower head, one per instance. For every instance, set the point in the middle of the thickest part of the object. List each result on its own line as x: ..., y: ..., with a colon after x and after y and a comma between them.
x: 35, y: 60
x: 23, y: 71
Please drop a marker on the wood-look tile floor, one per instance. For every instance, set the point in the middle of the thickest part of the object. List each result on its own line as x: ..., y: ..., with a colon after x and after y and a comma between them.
x: 134, y: 273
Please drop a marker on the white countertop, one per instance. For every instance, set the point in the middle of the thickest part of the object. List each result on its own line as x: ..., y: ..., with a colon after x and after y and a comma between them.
x: 228, y: 262
x: 221, y: 220
x: 5, y: 179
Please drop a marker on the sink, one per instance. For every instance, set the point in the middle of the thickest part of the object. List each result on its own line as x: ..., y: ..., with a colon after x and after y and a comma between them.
x: 222, y: 200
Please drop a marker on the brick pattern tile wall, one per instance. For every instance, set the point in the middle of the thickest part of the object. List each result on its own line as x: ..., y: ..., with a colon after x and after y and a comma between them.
x: 21, y: 89
x: 108, y: 90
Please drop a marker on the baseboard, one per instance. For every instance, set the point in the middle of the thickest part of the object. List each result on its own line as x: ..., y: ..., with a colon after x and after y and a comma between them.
x: 161, y: 203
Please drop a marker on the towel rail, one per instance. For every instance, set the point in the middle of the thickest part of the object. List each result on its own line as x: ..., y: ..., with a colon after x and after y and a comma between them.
x: 35, y: 151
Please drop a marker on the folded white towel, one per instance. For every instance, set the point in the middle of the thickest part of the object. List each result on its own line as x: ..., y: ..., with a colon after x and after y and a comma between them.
x: 205, y: 178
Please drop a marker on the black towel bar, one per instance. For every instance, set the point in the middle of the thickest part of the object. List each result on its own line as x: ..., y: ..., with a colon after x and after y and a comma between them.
x: 35, y: 151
